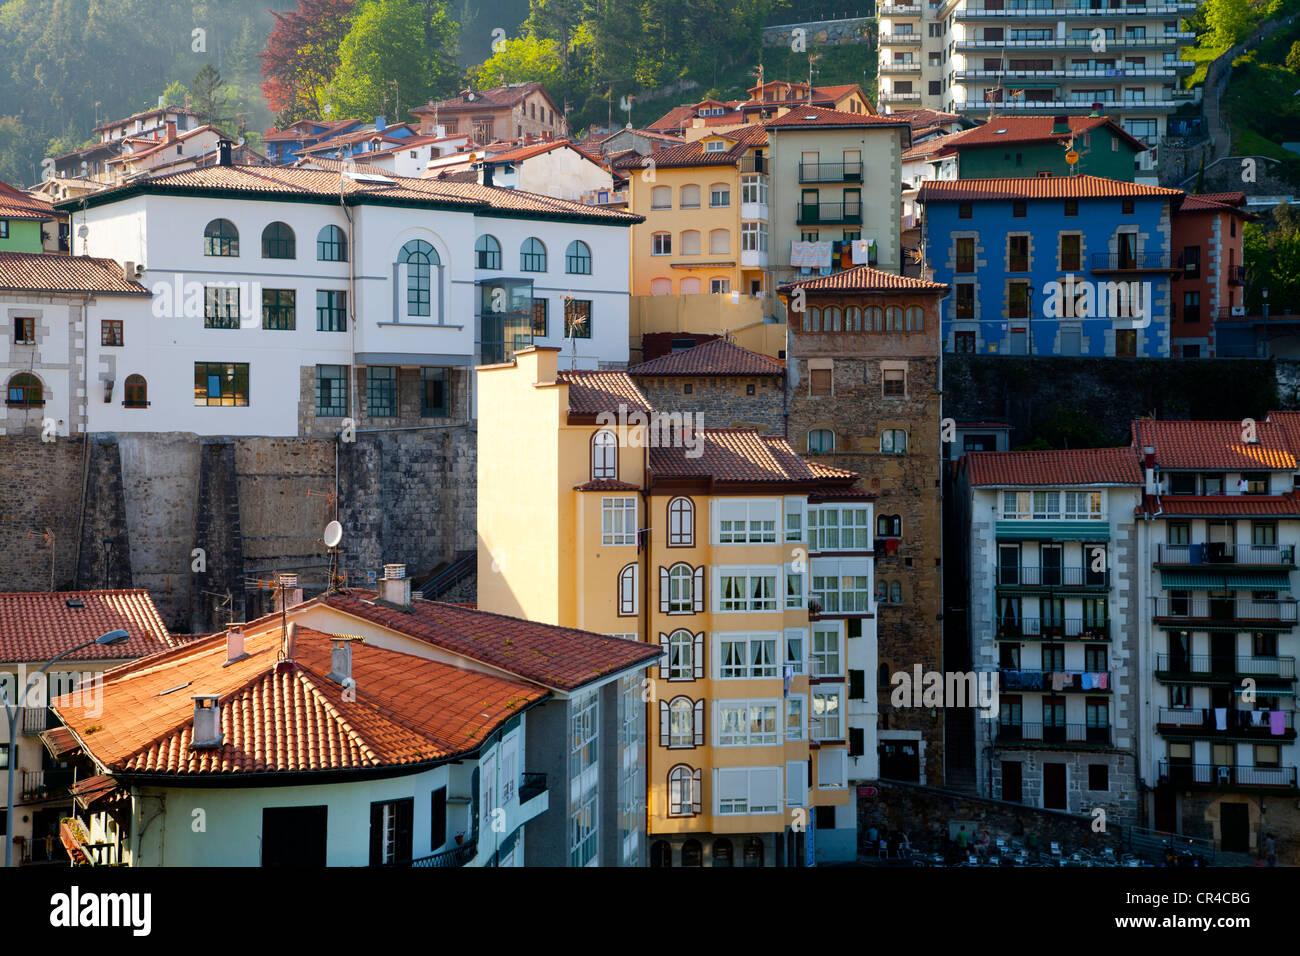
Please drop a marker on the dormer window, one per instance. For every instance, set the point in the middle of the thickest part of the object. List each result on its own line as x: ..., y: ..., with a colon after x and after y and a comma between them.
x: 1213, y: 484
x: 1256, y: 482
x: 1182, y: 483
x: 715, y: 146
x: 604, y: 455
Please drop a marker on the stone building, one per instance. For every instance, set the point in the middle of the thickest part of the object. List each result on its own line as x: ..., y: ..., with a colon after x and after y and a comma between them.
x: 731, y: 387
x: 863, y: 391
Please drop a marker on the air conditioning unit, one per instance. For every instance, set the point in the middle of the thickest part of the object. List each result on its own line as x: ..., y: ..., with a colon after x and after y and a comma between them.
x: 1238, y: 310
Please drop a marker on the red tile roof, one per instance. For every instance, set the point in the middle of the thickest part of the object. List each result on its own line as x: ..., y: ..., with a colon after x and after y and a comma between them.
x: 560, y: 657
x: 689, y: 154
x: 1215, y: 202
x: 507, y: 95
x: 292, y: 719
x: 1038, y: 129
x: 157, y: 111
x: 1227, y: 506
x: 1038, y: 187
x: 1290, y: 425
x: 153, y: 146
x: 1216, y: 445
x: 16, y: 204
x: 741, y: 455
x: 1074, y: 466
x: 607, y: 484
x: 46, y: 272
x: 591, y: 393
x: 864, y: 279
x: 816, y: 116
x: 717, y: 357
x: 363, y: 135
x: 35, y: 626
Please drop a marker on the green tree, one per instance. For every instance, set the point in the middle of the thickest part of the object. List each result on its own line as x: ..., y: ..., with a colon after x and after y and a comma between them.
x: 176, y: 94
x: 1293, y: 57
x: 1272, y: 258
x: 210, y: 96
x: 523, y: 60
x: 1229, y: 20
x: 385, y: 63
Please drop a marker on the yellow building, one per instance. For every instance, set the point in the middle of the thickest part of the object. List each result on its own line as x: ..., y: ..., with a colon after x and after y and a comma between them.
x: 749, y: 566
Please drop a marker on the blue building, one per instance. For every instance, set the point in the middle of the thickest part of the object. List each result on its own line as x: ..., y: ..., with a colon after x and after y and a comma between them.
x: 1057, y: 265
x: 283, y: 145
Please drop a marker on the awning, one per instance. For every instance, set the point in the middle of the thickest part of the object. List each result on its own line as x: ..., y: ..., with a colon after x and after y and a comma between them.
x: 98, y: 789
x: 59, y: 741
x: 1204, y: 580
x: 1053, y: 530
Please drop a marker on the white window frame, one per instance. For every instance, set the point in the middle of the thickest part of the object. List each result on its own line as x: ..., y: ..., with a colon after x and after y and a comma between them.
x: 796, y: 783
x: 747, y: 603
x: 750, y: 530
x: 629, y: 590
x: 746, y: 806
x: 681, y: 601
x: 749, y: 710
x: 800, y: 663
x: 823, y: 571
x: 820, y: 659
x: 816, y: 724
x: 796, y: 509
x: 612, y: 511
x: 688, y: 800
x: 716, y: 194
x: 799, y: 580
x: 604, y: 455
x: 837, y: 761
x: 749, y: 641
x: 661, y: 244
x: 799, y: 703
x: 828, y: 525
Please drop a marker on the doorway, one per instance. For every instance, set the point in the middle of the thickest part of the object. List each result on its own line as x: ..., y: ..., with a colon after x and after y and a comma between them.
x: 900, y: 760
x: 1054, y: 786
x: 1012, y: 781
x: 1234, y: 827
x: 1166, y: 810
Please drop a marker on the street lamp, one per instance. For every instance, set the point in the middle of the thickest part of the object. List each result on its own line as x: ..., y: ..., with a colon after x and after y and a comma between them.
x: 11, y: 711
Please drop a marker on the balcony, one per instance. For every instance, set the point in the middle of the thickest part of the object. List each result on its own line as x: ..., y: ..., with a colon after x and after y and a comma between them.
x: 830, y: 172
x: 1029, y: 106
x: 1249, y: 612
x: 755, y: 164
x: 900, y: 68
x: 1027, y: 576
x: 1052, y: 734
x: 1080, y: 43
x: 37, y: 720
x: 1131, y: 262
x: 40, y: 785
x: 1071, y: 629
x: 1112, y: 10
x: 900, y: 39
x: 531, y: 785
x: 1202, y: 722
x: 829, y: 214
x: 909, y: 97
x: 1170, y: 69
x: 1221, y: 554
x: 1225, y: 668
x: 1236, y: 275
x: 900, y: 10
x: 456, y: 856
x: 1055, y: 682
x: 1215, y: 776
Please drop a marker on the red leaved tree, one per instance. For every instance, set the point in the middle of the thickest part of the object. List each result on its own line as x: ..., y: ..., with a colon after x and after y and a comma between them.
x: 301, y: 57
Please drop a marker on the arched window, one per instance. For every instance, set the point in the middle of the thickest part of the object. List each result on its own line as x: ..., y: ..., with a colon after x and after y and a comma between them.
x: 893, y: 319
x: 419, y: 258
x: 487, y: 253
x: 137, y: 392
x: 681, y: 523
x: 683, y: 791
x: 882, y: 674
x: 690, y: 242
x: 681, y: 658
x: 814, y: 319
x: 278, y: 242
x: 689, y: 197
x: 882, y: 595
x: 25, y: 391
x: 873, y: 319
x: 220, y: 238
x: 577, y: 259
x: 831, y: 319
x: 914, y: 319
x: 604, y: 455
x: 681, y: 589
x: 627, y: 590
x: 661, y: 286
x: 722, y: 852
x: 719, y: 196
x: 821, y: 441
x: 661, y: 197
x: 719, y: 241
x: 661, y: 854
x: 853, y: 319
x: 661, y: 244
x: 692, y: 853
x: 753, y: 852
x: 331, y: 245
x: 677, y: 722
x: 532, y: 255
x: 690, y: 285
x: 895, y: 592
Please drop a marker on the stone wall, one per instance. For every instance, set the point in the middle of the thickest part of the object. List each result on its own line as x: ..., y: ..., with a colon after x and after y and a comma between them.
x: 42, y: 482
x: 821, y: 32
x: 729, y: 402
x: 99, y: 564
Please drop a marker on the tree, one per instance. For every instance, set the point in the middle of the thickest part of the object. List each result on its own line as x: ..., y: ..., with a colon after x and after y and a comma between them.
x: 1228, y: 20
x: 1272, y: 258
x: 384, y: 61
x: 302, y: 56
x: 176, y: 94
x: 523, y: 61
x: 1293, y: 58
x: 210, y: 97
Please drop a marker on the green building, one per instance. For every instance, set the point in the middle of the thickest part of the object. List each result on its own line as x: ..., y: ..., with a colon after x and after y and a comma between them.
x: 1015, y: 146
x: 22, y: 217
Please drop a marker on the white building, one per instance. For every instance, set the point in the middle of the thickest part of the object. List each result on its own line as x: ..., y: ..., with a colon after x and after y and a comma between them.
x: 553, y: 168
x: 51, y: 306
x: 271, y: 283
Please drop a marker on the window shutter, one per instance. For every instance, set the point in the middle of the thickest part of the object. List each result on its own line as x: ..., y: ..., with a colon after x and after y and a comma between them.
x: 376, y: 833
x: 664, y: 737
x: 699, y: 655
x: 696, y: 787
x: 663, y: 661
x: 699, y: 723
x: 663, y: 590
x: 857, y: 685
x: 405, y: 830
x: 698, y: 588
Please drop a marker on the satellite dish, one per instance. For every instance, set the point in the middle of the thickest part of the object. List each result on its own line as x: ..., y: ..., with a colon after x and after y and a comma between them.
x: 333, y: 534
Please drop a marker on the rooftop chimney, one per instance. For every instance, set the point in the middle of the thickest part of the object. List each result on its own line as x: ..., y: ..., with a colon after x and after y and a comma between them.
x: 1096, y: 110
x: 171, y: 130
x: 1149, y: 464
x: 223, y: 152
x: 485, y: 179
x: 1060, y: 126
x: 207, y: 721
x: 395, y: 588
x: 341, y: 658
x: 287, y: 594
x: 235, y: 644
x: 380, y: 124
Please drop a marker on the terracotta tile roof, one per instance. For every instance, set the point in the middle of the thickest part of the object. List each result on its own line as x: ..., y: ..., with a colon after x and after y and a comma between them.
x: 99, y: 789
x: 591, y: 393
x: 292, y: 719
x: 16, y: 204
x: 289, y: 181
x: 1039, y: 187
x: 925, y: 117
x: 153, y: 146
x: 930, y: 147
x: 1001, y: 130
x: 524, y: 152
x: 1290, y: 425
x: 864, y: 279
x: 741, y: 455
x: 35, y: 626
x: 1215, y: 202
x: 798, y: 116
x: 59, y: 741
x: 1215, y: 445
x: 560, y: 657
x: 157, y: 111
x: 676, y: 118
x: 751, y: 134
x: 507, y: 95
x: 690, y: 154
x: 1074, y: 466
x: 1233, y: 506
x: 607, y: 484
x: 715, y: 357
x: 339, y: 165
x: 363, y: 135
x: 47, y: 272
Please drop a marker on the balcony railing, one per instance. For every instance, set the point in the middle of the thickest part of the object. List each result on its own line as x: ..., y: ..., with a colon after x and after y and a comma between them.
x: 1228, y: 666
x: 1226, y: 775
x: 828, y: 213
x: 1254, y: 723
x: 45, y: 784
x: 756, y: 164
x: 456, y: 856
x: 1112, y: 10
x: 1079, y: 43
x: 1055, y: 682
x: 1034, y: 629
x: 1126, y: 262
x: 1236, y: 275
x: 1221, y: 553
x: 900, y: 10
x: 1227, y: 610
x: 900, y: 68
x: 1053, y: 734
x: 1166, y: 69
x: 531, y: 785
x: 1052, y: 577
x: 1021, y: 106
x: 37, y: 720
x: 899, y: 39
x: 830, y: 173
x: 912, y: 96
